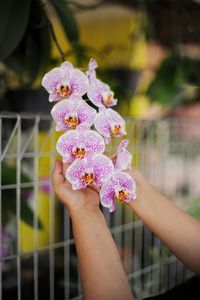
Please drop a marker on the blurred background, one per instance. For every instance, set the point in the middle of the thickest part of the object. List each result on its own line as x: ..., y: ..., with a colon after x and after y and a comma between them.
x: 149, y: 53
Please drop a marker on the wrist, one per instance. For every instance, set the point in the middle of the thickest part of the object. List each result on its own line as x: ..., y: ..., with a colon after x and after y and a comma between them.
x: 86, y: 211
x: 143, y: 190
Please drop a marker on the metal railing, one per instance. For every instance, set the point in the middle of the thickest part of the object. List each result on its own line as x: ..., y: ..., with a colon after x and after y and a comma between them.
x: 41, y: 263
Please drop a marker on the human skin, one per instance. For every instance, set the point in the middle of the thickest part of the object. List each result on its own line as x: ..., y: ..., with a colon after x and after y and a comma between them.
x: 102, y: 274
x: 179, y: 231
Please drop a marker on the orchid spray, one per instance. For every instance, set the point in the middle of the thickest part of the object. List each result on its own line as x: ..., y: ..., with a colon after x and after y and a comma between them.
x: 87, y: 130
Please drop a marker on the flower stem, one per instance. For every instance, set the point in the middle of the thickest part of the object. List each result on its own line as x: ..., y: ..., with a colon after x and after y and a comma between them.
x: 46, y: 5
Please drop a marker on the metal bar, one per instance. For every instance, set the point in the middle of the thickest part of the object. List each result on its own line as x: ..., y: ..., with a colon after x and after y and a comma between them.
x: 148, y: 269
x: 15, y: 129
x: 52, y: 217
x: 35, y: 193
x: 26, y: 155
x: 66, y: 255
x: 0, y: 211
x: 18, y: 199
x: 42, y: 249
x: 24, y: 185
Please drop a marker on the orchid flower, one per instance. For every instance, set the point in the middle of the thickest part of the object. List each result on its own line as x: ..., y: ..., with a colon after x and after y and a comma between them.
x: 121, y: 186
x: 91, y: 73
x: 81, y: 146
x: 65, y: 81
x: 73, y: 113
x: 109, y: 124
x: 100, y: 94
x: 123, y: 158
x: 76, y: 144
x: 95, y: 170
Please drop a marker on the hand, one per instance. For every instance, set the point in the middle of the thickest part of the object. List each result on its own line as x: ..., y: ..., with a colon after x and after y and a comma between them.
x: 73, y: 200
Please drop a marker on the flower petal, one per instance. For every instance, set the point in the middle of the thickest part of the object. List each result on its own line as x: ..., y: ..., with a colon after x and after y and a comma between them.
x: 102, y: 124
x: 124, y: 180
x: 65, y: 144
x: 94, y: 142
x: 123, y: 158
x: 85, y: 114
x: 74, y: 172
x: 78, y: 82
x: 103, y: 168
x: 107, y: 193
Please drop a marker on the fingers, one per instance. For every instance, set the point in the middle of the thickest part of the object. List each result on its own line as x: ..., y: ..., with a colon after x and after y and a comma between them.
x: 57, y: 175
x: 65, y: 166
x: 94, y: 187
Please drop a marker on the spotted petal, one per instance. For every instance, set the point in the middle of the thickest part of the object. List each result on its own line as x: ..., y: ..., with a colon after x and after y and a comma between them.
x: 109, y: 123
x: 91, y: 73
x: 123, y: 158
x: 51, y: 80
x: 65, y: 81
x: 98, y: 168
x: 75, y: 144
x: 120, y: 182
x: 75, y: 108
x: 100, y: 94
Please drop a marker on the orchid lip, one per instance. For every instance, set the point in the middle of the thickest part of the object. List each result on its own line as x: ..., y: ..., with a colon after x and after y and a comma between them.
x: 63, y: 89
x: 108, y: 99
x: 87, y: 176
x: 116, y: 129
x: 121, y: 194
x: 79, y: 151
x: 72, y: 120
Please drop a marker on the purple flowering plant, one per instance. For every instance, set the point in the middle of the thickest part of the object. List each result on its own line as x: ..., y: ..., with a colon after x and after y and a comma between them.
x: 87, y: 130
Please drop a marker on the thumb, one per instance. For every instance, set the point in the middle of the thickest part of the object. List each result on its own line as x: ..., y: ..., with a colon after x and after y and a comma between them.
x: 57, y: 174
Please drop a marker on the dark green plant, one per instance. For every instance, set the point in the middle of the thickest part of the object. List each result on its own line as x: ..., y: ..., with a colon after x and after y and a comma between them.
x: 26, y: 35
x: 176, y: 81
x: 9, y: 198
x: 194, y: 208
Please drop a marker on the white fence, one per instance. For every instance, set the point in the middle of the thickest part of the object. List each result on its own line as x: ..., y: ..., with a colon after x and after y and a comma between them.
x: 38, y: 261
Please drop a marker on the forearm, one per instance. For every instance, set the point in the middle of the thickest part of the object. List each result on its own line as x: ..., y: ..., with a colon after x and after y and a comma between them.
x: 102, y: 274
x: 177, y: 229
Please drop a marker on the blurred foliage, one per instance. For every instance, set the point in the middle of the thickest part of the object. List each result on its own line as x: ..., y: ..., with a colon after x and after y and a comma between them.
x: 194, y: 208
x: 9, y: 197
x: 176, y: 81
x: 26, y: 35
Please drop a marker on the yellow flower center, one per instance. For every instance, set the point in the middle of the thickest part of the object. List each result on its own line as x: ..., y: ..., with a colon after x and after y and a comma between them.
x: 122, y: 194
x: 79, y: 152
x: 63, y: 91
x: 108, y: 100
x: 88, y: 177
x: 72, y: 120
x: 116, y: 129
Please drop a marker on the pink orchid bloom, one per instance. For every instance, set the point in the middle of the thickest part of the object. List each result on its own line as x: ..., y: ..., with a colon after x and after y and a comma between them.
x: 121, y: 187
x: 109, y: 124
x: 100, y: 94
x: 123, y: 158
x: 91, y: 73
x: 65, y: 81
x: 78, y: 144
x: 73, y: 113
x: 91, y: 170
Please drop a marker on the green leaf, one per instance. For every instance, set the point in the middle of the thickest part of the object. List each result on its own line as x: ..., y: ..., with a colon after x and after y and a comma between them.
x: 14, y: 16
x: 9, y: 198
x: 9, y: 175
x: 67, y: 19
x: 9, y: 208
x: 32, y: 55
